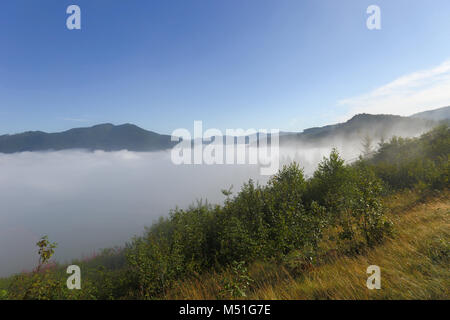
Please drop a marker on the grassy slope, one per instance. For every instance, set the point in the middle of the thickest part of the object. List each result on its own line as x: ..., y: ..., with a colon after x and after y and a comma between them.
x: 414, y: 264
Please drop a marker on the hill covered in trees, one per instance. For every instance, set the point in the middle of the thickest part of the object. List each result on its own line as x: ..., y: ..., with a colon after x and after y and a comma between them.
x: 380, y: 127
x: 105, y: 137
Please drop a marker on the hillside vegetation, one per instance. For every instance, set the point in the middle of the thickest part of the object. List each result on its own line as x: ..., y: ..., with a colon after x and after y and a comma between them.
x: 414, y: 263
x: 294, y: 238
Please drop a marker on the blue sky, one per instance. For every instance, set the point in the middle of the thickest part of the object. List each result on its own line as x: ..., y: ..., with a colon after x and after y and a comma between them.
x: 162, y: 64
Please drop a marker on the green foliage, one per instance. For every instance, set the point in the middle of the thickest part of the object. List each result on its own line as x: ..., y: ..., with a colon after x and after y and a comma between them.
x: 238, y: 283
x: 417, y: 162
x: 285, y: 220
x: 40, y: 284
x: 267, y: 222
x: 366, y: 206
x: 35, y: 286
x: 350, y: 196
x: 150, y: 265
x: 3, y: 294
x: 46, y: 250
x: 49, y: 281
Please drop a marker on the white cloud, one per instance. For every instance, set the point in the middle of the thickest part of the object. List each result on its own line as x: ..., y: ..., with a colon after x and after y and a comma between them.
x: 409, y: 94
x: 90, y: 200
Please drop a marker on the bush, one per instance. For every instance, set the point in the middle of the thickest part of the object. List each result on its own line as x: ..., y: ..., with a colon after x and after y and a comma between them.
x: 415, y: 163
x: 238, y: 283
x: 351, y: 197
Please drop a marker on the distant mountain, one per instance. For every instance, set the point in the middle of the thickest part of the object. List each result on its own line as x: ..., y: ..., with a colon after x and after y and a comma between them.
x: 105, y: 137
x: 441, y: 114
x: 378, y: 127
x: 109, y: 137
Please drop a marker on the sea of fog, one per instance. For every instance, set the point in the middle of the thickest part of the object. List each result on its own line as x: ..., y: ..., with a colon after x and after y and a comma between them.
x: 86, y: 201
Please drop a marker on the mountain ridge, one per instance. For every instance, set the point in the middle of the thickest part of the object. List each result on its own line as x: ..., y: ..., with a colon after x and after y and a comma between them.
x: 378, y: 127
x: 107, y: 137
x: 127, y: 136
x: 435, y: 114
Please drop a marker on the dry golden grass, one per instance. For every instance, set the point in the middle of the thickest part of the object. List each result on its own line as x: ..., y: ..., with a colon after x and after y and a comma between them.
x: 414, y: 263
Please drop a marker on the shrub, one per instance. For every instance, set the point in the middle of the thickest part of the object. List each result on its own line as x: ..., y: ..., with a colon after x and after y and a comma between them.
x: 238, y: 283
x: 351, y: 197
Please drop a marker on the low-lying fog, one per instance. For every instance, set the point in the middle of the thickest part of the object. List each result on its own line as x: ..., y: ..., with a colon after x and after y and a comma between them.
x: 86, y: 201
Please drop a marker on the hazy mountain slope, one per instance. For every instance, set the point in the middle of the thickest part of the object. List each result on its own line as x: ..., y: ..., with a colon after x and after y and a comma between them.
x: 109, y: 137
x: 106, y: 137
x: 440, y: 114
x: 378, y: 127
